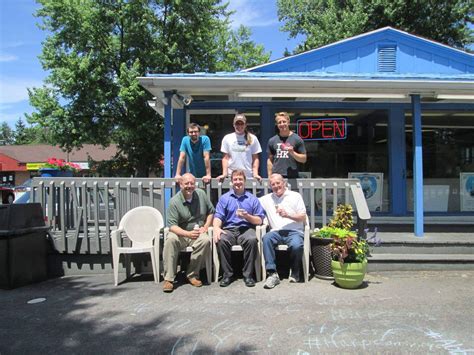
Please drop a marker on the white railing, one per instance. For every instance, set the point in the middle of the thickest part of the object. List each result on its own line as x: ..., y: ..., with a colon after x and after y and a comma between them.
x: 83, y: 211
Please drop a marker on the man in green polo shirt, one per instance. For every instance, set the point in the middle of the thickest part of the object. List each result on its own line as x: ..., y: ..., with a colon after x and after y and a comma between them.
x: 190, y: 214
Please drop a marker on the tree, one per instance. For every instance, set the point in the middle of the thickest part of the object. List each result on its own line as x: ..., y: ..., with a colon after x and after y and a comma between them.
x: 237, y: 51
x: 21, y: 135
x: 327, y: 21
x: 7, y: 135
x: 96, y: 51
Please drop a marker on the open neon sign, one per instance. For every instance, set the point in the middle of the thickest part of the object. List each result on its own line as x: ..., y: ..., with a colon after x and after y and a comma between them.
x: 322, y: 128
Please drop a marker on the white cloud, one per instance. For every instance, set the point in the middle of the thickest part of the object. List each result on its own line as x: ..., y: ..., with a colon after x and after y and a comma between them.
x: 8, y: 58
x: 14, y: 90
x: 14, y: 44
x: 253, y: 13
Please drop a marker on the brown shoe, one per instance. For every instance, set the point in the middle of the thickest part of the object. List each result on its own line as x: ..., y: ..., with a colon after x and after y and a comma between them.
x: 195, y: 282
x: 168, y: 286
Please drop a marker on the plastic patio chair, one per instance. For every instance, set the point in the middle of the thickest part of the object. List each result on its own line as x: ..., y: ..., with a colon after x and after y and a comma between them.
x: 142, y: 226
x: 284, y: 247
x: 190, y: 249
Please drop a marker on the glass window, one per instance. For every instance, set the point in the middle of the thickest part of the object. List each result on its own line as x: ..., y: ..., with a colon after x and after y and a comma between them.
x: 216, y: 126
x: 448, y: 146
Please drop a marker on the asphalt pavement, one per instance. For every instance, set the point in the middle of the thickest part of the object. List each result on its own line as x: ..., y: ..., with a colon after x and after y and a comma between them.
x: 393, y: 312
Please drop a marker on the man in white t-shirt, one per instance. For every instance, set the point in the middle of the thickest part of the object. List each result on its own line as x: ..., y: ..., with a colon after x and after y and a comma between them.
x: 286, y: 215
x: 241, y: 149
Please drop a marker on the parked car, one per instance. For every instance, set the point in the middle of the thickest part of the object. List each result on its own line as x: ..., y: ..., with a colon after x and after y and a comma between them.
x: 25, y: 197
x: 8, y: 194
x: 20, y: 190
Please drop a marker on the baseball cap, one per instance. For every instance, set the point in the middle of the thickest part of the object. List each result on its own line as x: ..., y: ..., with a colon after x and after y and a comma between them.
x: 240, y: 117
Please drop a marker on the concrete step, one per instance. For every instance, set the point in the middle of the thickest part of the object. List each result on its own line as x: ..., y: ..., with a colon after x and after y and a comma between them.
x: 406, y: 262
x: 425, y: 248
x: 430, y: 243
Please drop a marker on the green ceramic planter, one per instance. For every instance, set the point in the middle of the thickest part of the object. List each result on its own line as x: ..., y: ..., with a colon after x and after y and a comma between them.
x: 349, y: 275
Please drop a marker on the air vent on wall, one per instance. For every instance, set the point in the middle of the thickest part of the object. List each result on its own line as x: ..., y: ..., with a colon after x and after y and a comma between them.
x: 387, y: 59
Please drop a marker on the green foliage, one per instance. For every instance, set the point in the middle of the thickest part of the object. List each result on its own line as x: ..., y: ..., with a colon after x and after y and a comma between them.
x: 326, y: 21
x: 332, y: 232
x: 118, y: 166
x: 7, y: 135
x: 342, y: 217
x: 239, y: 52
x: 20, y: 132
x: 348, y: 249
x: 346, y: 246
x: 96, y: 51
x: 32, y: 134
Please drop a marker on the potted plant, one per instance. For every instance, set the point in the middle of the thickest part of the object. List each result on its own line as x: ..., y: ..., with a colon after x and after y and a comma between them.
x: 58, y: 168
x: 321, y: 252
x: 322, y: 239
x: 349, y: 252
x: 349, y: 263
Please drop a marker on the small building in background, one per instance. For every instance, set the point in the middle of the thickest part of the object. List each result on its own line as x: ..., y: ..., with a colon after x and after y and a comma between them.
x: 18, y: 163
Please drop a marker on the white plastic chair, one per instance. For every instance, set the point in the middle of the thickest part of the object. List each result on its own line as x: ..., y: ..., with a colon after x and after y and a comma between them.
x: 258, y: 265
x: 190, y: 249
x: 142, y: 226
x: 284, y: 247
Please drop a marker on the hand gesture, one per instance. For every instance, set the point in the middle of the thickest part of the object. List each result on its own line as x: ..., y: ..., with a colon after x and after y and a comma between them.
x: 217, y: 234
x: 282, y: 212
x: 194, y: 234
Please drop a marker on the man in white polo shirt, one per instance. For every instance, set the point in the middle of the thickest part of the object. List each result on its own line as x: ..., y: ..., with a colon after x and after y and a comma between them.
x: 286, y: 215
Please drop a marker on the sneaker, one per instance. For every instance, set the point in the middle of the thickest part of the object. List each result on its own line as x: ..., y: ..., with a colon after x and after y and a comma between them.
x: 271, y: 281
x: 194, y: 281
x: 168, y: 286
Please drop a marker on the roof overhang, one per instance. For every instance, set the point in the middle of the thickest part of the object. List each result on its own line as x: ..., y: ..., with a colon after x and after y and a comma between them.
x: 309, y: 87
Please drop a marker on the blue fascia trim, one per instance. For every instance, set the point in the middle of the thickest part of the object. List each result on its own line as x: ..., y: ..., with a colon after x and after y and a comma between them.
x: 255, y: 105
x: 322, y: 75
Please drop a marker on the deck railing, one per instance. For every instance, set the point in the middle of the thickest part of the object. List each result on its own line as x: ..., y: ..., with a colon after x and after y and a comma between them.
x: 83, y: 211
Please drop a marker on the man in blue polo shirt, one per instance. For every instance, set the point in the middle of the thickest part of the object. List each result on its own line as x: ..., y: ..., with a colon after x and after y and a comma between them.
x: 237, y: 214
x: 195, y: 148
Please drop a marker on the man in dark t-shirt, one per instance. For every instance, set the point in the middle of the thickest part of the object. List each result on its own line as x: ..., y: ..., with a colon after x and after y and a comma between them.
x: 285, y: 149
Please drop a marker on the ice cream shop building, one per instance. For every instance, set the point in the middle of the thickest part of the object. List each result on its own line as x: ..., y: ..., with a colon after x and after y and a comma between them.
x: 390, y: 108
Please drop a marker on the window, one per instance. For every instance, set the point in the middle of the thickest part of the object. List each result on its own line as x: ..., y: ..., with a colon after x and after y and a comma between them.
x: 448, y: 146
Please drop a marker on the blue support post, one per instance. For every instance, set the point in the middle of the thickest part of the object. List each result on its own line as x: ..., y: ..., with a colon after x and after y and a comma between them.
x: 267, y: 124
x: 417, y: 165
x: 167, y: 134
x: 178, y: 130
x: 397, y: 161
x: 167, y: 143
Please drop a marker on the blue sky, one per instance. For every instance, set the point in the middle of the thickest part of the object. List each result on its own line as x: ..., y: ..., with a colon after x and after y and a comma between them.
x: 20, y: 45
